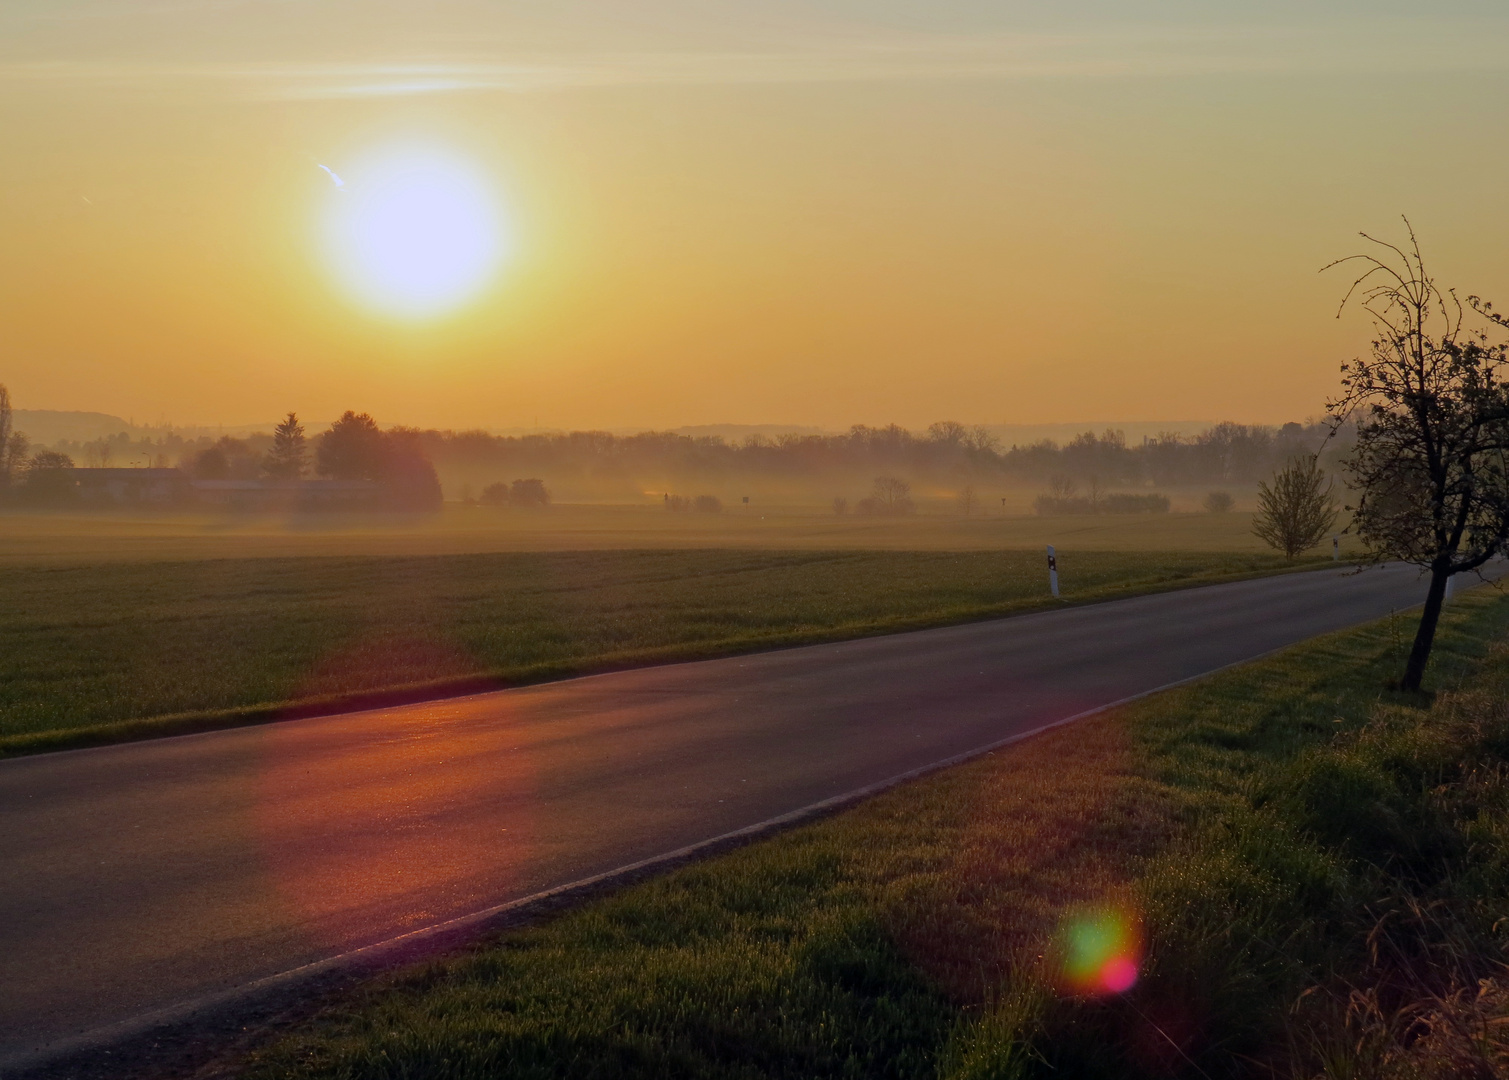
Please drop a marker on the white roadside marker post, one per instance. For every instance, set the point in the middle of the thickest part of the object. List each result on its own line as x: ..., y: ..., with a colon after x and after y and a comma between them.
x: 1053, y: 571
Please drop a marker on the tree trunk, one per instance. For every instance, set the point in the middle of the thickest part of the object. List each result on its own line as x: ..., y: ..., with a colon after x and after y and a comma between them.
x: 1425, y: 637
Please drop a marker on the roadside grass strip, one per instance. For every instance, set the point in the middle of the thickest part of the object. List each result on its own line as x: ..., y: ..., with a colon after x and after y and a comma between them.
x: 1286, y: 870
x: 126, y: 650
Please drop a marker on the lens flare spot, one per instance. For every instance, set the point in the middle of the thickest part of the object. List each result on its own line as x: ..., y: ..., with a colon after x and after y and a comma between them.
x: 1100, y: 952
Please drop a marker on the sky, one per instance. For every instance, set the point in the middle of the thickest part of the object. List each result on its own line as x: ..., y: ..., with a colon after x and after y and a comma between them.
x: 728, y: 211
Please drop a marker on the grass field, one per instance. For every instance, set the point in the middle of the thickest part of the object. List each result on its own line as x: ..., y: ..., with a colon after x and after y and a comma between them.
x: 100, y: 650
x: 62, y: 539
x: 1316, y: 867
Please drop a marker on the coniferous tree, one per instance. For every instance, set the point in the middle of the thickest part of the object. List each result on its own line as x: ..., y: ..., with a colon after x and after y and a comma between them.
x: 287, y: 459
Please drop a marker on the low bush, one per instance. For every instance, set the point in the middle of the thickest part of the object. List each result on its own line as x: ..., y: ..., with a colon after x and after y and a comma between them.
x: 528, y: 493
x: 495, y: 494
x: 1051, y: 505
x: 1134, y: 504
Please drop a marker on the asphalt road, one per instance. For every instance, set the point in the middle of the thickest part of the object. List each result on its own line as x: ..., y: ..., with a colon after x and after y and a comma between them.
x: 134, y: 877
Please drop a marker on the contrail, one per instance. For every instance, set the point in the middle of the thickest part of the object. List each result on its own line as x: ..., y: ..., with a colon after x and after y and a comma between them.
x: 336, y: 180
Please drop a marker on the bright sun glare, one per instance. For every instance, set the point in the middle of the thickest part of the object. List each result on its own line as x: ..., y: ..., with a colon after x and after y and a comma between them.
x: 413, y: 232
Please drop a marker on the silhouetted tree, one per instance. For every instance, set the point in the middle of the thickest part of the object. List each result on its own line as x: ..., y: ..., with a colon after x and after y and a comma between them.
x: 211, y: 463
x: 1219, y: 502
x: 13, y: 456
x: 287, y: 458
x: 495, y: 494
x: 5, y: 430
x: 529, y: 493
x: 49, y: 478
x: 352, y: 449
x: 408, y: 479
x: 1297, y: 511
x: 892, y: 495
x: 1432, y: 417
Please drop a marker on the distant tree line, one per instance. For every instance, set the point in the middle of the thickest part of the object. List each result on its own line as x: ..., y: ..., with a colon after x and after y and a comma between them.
x: 404, y: 460
x: 1227, y: 453
x: 353, y: 448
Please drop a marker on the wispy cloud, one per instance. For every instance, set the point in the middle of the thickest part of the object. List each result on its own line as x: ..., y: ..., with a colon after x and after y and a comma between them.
x: 1397, y: 48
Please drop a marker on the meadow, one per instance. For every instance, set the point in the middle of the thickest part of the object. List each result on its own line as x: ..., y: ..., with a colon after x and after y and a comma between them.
x: 107, y: 648
x: 1285, y: 870
x: 59, y: 538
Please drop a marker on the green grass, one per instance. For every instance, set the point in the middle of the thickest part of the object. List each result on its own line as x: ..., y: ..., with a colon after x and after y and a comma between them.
x: 102, y: 651
x: 64, y: 538
x: 1318, y: 866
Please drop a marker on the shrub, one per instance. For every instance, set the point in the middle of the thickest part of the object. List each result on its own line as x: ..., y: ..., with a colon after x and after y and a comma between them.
x: 1045, y: 505
x: 1219, y: 502
x: 1134, y: 504
x: 49, y: 478
x: 528, y: 493
x: 840, y: 505
x: 708, y: 504
x: 495, y: 494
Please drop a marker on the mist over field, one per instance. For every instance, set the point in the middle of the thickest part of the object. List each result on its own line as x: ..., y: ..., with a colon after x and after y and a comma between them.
x: 767, y: 464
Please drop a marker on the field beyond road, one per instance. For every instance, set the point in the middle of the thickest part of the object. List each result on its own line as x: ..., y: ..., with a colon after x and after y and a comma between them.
x: 108, y: 648
x: 68, y: 539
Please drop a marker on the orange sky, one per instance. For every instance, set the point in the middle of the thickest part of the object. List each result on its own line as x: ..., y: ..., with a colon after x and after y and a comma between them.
x: 819, y: 213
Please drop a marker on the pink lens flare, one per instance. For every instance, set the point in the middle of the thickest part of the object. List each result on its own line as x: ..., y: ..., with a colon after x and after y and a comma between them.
x: 1100, y: 953
x: 1118, y: 975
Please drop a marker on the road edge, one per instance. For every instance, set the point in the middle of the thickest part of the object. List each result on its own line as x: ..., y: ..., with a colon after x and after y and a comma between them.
x: 178, y: 725
x: 416, y: 944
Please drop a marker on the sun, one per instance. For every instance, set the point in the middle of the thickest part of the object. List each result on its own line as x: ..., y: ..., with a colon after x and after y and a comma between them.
x: 413, y: 232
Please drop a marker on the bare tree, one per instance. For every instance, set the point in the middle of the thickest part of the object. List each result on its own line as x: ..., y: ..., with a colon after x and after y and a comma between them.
x: 1298, y: 510
x: 1219, y: 502
x: 892, y: 495
x: 5, y: 430
x: 13, y: 456
x: 967, y: 501
x: 981, y: 441
x: 950, y: 432
x: 1432, y: 417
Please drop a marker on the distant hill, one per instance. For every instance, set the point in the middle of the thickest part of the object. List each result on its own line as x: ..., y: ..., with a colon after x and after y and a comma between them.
x: 737, y: 433
x: 45, y: 427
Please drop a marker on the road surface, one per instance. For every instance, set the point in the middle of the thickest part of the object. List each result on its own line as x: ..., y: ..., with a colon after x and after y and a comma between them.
x: 139, y: 876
